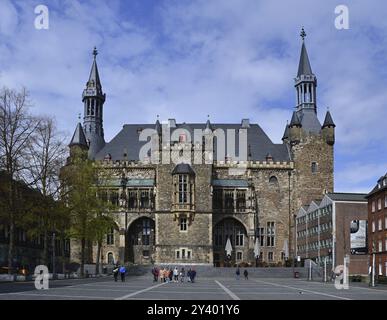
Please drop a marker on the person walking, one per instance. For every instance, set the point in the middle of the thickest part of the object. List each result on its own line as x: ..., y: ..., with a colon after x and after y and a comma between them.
x: 238, y: 273
x: 189, y: 275
x: 246, y: 274
x: 170, y: 275
x: 175, y: 275
x: 182, y: 274
x: 193, y: 275
x: 162, y: 275
x: 122, y: 273
x: 115, y: 273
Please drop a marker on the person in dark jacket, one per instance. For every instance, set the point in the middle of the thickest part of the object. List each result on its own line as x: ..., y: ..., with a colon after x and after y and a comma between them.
x: 115, y: 273
x: 193, y: 275
x: 246, y: 274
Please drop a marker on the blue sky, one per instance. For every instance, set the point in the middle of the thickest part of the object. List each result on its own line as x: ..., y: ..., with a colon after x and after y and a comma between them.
x: 230, y: 59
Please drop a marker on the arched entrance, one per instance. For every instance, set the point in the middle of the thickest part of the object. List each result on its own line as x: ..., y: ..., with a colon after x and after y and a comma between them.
x: 141, y: 241
x: 233, y: 230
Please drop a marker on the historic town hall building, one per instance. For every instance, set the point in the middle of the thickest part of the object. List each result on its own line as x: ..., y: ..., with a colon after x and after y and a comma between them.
x: 185, y: 211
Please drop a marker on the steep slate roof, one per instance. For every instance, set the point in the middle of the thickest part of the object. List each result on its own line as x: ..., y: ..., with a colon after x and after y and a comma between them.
x: 304, y: 67
x: 295, y: 121
x: 328, y: 121
x: 128, y: 138
x: 78, y: 137
x: 183, y: 168
x: 338, y: 196
x: 309, y: 120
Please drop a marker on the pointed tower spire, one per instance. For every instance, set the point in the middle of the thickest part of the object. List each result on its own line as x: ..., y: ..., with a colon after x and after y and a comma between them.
x: 94, y: 99
x: 78, y: 138
x: 306, y: 85
x: 304, y: 67
x: 328, y: 122
x: 286, y: 132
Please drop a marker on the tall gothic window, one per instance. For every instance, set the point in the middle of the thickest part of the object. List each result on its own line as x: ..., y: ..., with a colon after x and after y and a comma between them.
x: 132, y: 199
x: 110, y: 237
x: 144, y: 199
x: 183, y: 224
x: 270, y: 231
x: 183, y: 189
x: 239, y: 236
x: 229, y: 200
x: 146, y: 228
x: 241, y: 200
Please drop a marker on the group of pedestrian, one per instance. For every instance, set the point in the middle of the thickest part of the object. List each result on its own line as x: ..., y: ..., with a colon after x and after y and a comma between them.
x: 173, y: 275
x: 245, y: 273
x: 119, y: 270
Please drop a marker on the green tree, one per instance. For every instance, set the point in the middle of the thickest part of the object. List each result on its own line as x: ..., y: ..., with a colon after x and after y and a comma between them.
x: 89, y: 214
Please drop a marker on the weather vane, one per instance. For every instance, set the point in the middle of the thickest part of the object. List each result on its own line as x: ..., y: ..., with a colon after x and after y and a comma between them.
x: 303, y: 34
x: 95, y: 52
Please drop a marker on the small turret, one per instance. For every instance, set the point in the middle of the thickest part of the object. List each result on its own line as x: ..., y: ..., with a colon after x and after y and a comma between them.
x: 295, y: 129
x: 328, y: 129
x: 78, y: 144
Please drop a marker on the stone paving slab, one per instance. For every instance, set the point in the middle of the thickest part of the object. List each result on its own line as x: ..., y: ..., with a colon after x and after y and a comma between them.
x: 142, y: 287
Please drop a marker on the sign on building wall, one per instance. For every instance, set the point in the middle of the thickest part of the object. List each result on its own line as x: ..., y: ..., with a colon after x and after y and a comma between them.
x: 359, y: 237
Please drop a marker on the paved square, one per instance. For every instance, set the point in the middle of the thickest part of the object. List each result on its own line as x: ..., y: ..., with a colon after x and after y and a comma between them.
x: 142, y: 287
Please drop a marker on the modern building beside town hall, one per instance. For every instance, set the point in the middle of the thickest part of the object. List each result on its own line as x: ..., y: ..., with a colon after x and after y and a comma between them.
x: 377, y: 231
x: 333, y: 227
x: 185, y: 212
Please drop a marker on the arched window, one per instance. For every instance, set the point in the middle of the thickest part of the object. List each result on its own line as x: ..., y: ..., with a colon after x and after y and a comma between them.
x: 110, y: 258
x: 273, y: 181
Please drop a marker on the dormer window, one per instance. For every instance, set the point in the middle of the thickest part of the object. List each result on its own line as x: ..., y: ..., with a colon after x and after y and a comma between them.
x: 108, y: 157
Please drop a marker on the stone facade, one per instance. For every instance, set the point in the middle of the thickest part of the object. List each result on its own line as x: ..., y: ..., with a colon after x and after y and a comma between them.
x: 184, y: 212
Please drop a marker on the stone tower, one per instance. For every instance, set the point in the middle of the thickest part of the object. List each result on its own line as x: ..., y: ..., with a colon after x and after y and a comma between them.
x: 310, y: 144
x: 94, y: 99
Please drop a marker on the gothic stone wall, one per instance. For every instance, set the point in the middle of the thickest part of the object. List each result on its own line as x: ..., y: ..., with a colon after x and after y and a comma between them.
x: 198, y: 237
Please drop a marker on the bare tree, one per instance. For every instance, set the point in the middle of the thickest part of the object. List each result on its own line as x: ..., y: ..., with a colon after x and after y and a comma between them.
x: 46, y: 155
x: 17, y: 127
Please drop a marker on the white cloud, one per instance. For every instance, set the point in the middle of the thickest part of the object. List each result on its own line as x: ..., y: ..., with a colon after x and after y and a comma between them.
x: 230, y: 59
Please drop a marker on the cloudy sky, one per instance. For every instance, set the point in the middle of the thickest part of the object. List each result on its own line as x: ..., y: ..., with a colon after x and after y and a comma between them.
x: 229, y: 59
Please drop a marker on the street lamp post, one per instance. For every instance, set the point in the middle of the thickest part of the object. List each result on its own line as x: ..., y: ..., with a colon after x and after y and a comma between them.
x: 124, y: 181
x: 53, y: 255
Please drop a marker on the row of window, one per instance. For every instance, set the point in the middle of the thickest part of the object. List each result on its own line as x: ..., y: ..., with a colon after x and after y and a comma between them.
x: 136, y: 198
x: 229, y: 200
x: 315, y: 230
x: 183, y: 253
x: 380, y: 225
x: 373, y: 204
x: 327, y: 243
x: 322, y: 212
x: 266, y: 235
